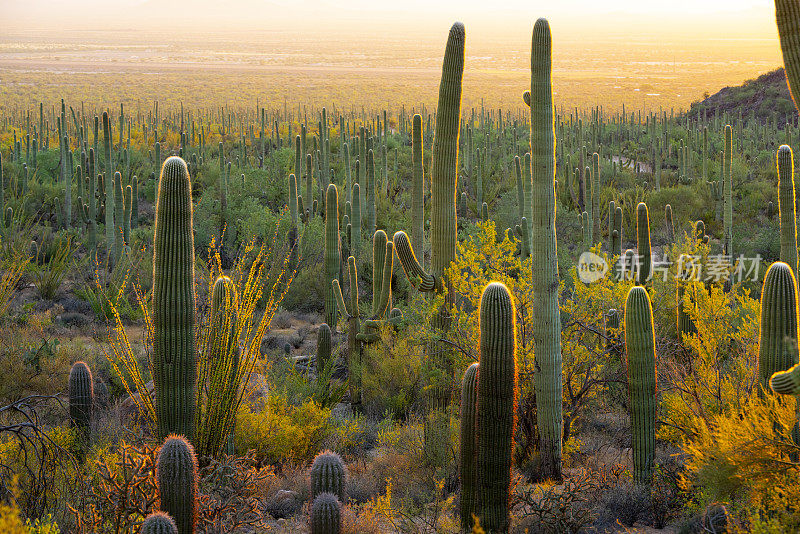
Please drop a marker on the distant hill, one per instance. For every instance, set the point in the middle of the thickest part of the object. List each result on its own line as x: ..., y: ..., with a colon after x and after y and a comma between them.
x: 763, y: 97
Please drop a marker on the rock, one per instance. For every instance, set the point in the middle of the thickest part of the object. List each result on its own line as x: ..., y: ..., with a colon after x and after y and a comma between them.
x: 284, y: 504
x: 74, y: 319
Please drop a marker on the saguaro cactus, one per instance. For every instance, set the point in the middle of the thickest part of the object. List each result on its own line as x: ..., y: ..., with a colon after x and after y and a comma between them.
x: 323, y: 347
x: 326, y: 514
x: 496, y: 406
x: 444, y: 181
x: 328, y: 475
x: 670, y: 223
x: 641, y: 350
x: 468, y: 465
x: 174, y: 356
x: 546, y: 314
x: 787, y: 17
x: 643, y: 243
x: 417, y: 191
x: 333, y: 251
x: 777, y: 349
x: 158, y: 523
x: 81, y: 396
x: 786, y: 206
x: 109, y: 183
x: 176, y: 475
x: 728, y: 192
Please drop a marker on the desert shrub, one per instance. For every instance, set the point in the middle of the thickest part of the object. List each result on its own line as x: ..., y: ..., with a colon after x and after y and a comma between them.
x: 51, y: 263
x: 279, y: 432
x: 742, y: 457
x: 391, y: 378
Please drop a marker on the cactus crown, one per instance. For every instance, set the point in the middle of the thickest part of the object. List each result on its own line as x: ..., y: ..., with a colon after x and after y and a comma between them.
x: 176, y: 474
x: 328, y: 474
x: 158, y: 523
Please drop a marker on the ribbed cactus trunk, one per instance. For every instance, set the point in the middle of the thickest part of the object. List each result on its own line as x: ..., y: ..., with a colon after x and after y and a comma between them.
x: 174, y: 356
x: 468, y: 465
x: 108, y: 179
x: 641, y: 350
x: 92, y: 204
x: 786, y: 206
x: 371, y: 193
x: 596, y: 196
x: 777, y: 349
x: 496, y: 406
x: 643, y: 243
x: 417, y: 191
x: 728, y: 192
x: 119, y: 217
x: 323, y: 348
x: 356, y: 235
x: 787, y: 17
x: 333, y: 251
x: 176, y: 475
x: 81, y: 396
x: 546, y: 314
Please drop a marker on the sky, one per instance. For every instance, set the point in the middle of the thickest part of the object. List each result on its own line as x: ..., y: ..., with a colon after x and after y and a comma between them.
x: 732, y: 17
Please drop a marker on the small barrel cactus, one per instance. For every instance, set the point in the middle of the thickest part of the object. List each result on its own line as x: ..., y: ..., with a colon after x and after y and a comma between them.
x: 158, y: 523
x: 176, y: 475
x: 328, y: 475
x: 326, y: 514
x: 81, y: 395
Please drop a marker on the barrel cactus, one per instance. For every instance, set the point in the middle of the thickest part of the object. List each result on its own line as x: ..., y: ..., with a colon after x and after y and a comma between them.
x: 328, y: 475
x: 641, y: 350
x: 81, y: 396
x: 326, y: 514
x: 158, y: 523
x: 176, y: 476
x: 496, y: 406
x: 174, y: 356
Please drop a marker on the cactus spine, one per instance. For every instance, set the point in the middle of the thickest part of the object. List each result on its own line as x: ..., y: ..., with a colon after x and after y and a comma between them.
x: 81, y: 396
x: 641, y: 351
x: 468, y: 465
x: 496, y: 406
x: 546, y: 313
x: 174, y: 357
x: 333, y: 251
x: 786, y: 206
x: 176, y: 475
x: 643, y: 243
x: 777, y: 349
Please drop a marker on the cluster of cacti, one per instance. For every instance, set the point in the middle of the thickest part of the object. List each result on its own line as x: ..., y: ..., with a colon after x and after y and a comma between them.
x: 641, y: 351
x: 174, y: 356
x: 177, y: 479
x: 546, y: 313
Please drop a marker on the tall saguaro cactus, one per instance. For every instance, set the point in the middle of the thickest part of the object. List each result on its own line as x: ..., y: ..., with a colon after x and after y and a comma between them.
x: 333, y: 251
x: 496, y: 406
x: 786, y: 206
x: 546, y: 314
x: 643, y: 243
x: 174, y: 356
x: 417, y: 191
x: 108, y: 179
x: 641, y: 350
x: 727, y: 176
x: 444, y: 181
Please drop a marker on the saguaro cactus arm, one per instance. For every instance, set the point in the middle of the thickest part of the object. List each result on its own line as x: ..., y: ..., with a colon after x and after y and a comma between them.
x: 420, y: 279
